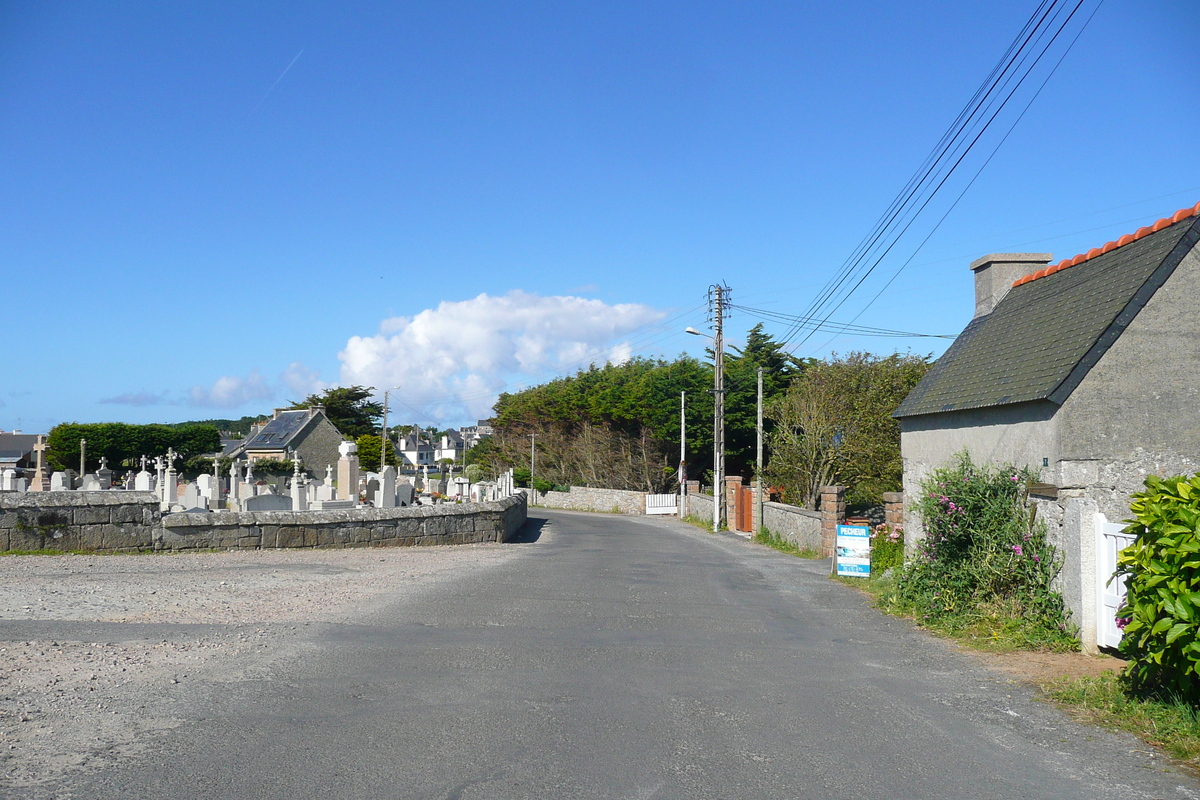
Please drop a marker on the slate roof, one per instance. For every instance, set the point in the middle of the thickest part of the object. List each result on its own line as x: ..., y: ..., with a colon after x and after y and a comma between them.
x: 1047, y: 333
x: 280, y: 431
x: 16, y: 446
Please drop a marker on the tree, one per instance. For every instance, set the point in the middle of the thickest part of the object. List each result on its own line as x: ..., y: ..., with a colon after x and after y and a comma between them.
x: 121, y: 444
x: 349, y: 408
x: 834, y: 425
x: 473, y: 472
x: 741, y: 394
x: 368, y: 452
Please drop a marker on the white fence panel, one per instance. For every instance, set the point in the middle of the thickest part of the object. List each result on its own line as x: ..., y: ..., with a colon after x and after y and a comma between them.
x: 662, y: 503
x: 1110, y: 594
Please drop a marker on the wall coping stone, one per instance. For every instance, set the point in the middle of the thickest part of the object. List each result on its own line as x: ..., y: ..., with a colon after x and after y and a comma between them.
x: 16, y: 500
x: 330, y: 517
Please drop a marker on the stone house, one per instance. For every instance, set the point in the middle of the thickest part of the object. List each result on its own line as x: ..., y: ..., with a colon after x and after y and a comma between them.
x: 306, y: 431
x: 1088, y: 371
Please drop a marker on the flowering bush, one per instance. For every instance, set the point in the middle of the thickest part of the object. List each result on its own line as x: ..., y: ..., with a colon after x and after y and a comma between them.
x: 887, y: 547
x: 985, y: 562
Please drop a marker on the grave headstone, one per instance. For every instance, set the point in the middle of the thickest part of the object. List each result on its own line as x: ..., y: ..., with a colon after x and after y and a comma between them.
x: 372, y: 491
x: 90, y: 483
x: 267, y: 502
x: 387, y: 488
x: 60, y: 482
x: 8, y: 480
x: 104, y: 474
x: 347, y: 477
x: 405, y: 493
x: 143, y: 482
x: 40, y: 482
x: 22, y: 485
x: 192, y: 498
x: 299, y: 489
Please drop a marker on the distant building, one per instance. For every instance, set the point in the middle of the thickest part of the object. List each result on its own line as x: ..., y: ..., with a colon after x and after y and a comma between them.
x: 16, y: 451
x: 307, y: 432
x: 450, y: 447
x: 474, y: 434
x: 415, y: 449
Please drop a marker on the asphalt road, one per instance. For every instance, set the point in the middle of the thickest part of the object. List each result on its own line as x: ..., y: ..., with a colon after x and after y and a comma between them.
x: 630, y: 658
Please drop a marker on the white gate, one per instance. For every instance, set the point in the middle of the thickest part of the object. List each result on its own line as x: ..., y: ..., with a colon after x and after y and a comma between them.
x: 1110, y: 595
x: 662, y: 503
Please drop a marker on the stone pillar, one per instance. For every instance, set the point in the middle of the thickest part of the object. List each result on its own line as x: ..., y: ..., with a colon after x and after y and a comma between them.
x: 833, y: 513
x: 755, y: 508
x: 893, y: 510
x: 347, y: 481
x: 733, y: 487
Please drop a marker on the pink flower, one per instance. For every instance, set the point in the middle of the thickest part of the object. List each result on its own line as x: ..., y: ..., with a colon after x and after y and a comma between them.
x: 1017, y: 549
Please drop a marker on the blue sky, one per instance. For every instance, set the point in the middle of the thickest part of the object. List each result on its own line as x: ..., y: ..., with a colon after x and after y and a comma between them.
x: 208, y: 210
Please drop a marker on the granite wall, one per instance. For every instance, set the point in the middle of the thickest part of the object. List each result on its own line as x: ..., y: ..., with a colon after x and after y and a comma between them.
x: 131, y: 521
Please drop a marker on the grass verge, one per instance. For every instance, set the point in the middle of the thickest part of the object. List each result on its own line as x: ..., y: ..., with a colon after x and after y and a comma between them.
x: 1102, y: 700
x: 777, y: 542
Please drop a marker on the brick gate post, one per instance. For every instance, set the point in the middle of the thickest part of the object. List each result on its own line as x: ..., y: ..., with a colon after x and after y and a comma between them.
x: 833, y: 513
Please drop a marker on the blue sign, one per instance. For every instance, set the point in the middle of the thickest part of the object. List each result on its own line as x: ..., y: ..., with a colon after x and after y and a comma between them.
x: 853, y: 550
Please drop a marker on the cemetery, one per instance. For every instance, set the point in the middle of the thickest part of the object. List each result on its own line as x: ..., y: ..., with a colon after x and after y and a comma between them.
x: 154, y: 509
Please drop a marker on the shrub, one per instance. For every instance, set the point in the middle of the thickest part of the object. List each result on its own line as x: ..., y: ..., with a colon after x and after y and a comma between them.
x: 1162, y: 604
x: 985, y: 564
x: 887, y: 547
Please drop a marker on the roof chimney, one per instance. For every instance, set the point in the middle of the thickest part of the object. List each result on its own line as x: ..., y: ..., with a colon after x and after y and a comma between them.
x: 995, y: 273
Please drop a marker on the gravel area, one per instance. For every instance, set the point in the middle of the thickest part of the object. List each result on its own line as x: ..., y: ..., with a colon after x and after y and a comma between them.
x: 99, y: 654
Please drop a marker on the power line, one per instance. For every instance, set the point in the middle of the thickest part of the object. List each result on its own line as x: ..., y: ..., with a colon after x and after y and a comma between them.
x: 1038, y: 35
x: 837, y: 327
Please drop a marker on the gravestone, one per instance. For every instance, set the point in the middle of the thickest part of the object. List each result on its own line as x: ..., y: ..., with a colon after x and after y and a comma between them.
x: 372, y: 491
x: 387, y: 488
x: 299, y: 488
x: 90, y: 483
x: 8, y: 480
x: 40, y: 483
x: 60, y: 482
x: 347, y: 478
x: 326, y: 492
x: 22, y: 485
x: 104, y: 474
x: 405, y: 493
x: 192, y: 497
x: 267, y: 502
x: 143, y: 481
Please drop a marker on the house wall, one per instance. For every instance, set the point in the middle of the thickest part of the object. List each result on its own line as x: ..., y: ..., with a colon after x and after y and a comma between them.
x: 1136, y: 413
x: 1024, y: 434
x: 318, y: 446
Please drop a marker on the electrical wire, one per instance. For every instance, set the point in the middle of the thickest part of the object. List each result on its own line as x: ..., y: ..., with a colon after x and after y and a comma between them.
x: 1039, y: 34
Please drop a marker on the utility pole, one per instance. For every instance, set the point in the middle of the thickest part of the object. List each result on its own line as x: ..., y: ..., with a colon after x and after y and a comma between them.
x: 532, y: 462
x: 718, y: 402
x: 682, y: 454
x: 758, y: 490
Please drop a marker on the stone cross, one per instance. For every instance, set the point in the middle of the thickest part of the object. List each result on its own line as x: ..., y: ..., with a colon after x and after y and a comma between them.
x: 41, y: 483
x: 172, y: 457
x: 144, y: 460
x: 103, y: 462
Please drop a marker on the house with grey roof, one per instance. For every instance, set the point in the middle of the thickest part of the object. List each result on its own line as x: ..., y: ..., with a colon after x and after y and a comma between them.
x: 306, y: 432
x: 1087, y: 371
x: 16, y: 451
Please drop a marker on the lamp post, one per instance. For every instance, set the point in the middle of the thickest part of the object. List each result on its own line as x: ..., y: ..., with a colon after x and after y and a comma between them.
x: 718, y: 419
x: 383, y: 437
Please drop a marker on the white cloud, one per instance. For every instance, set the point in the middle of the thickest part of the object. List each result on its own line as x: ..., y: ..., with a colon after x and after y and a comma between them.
x: 452, y: 361
x: 230, y: 391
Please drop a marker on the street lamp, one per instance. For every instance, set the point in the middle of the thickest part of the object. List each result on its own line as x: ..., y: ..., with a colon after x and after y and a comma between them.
x: 383, y: 437
x: 718, y: 420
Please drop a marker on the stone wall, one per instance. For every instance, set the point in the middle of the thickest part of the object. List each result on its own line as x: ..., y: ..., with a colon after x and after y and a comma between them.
x: 799, y: 526
x: 581, y: 498
x: 100, y: 521
x: 700, y: 506
x: 128, y: 521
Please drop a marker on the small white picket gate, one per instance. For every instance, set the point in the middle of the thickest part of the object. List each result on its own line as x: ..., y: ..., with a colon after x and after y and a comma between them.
x: 1110, y: 592
x: 662, y: 503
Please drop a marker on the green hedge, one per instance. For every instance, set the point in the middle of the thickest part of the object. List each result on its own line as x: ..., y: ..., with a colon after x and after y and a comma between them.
x: 1162, y: 573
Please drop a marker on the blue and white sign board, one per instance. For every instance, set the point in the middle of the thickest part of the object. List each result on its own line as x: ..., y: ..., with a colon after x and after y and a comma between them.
x: 854, y: 550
